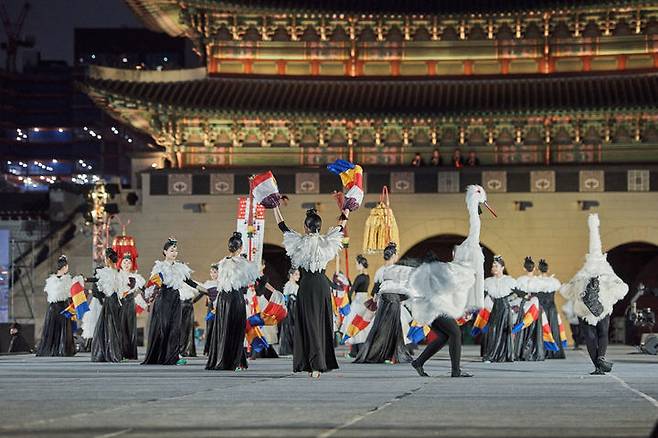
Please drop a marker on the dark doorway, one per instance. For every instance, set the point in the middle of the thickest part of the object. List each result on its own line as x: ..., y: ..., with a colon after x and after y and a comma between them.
x: 277, y: 265
x: 442, y: 246
x: 635, y: 263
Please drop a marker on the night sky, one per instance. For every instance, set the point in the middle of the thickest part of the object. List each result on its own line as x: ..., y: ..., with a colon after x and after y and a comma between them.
x: 52, y: 23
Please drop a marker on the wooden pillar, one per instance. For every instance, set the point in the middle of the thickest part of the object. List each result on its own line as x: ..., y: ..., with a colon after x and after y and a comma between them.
x: 468, y: 67
x: 431, y: 68
x: 281, y: 67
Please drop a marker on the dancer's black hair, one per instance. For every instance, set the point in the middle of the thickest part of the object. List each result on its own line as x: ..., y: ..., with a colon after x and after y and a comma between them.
x: 313, y: 221
x: 529, y: 264
x: 235, y: 242
x: 112, y: 255
x: 390, y: 250
x: 360, y: 259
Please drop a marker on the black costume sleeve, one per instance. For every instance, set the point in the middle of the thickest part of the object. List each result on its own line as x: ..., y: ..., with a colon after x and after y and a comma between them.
x: 100, y: 296
x: 361, y: 283
x: 375, y: 288
x: 283, y: 227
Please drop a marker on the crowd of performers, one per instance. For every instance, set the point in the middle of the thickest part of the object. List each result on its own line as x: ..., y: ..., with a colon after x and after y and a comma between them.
x: 410, y: 302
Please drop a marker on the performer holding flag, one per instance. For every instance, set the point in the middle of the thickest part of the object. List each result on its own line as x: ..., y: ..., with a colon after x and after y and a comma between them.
x: 163, y: 288
x: 129, y: 307
x: 57, y: 333
x: 234, y: 274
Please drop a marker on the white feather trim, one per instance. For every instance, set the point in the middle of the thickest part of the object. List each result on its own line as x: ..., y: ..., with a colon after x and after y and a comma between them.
x: 90, y: 318
x: 530, y: 284
x: 550, y: 284
x: 290, y: 288
x: 499, y: 287
x: 187, y: 292
x: 110, y: 281
x: 611, y: 288
x: 139, y: 282
x: 173, y: 274
x: 440, y: 288
x: 395, y: 280
x: 235, y: 273
x: 58, y: 288
x: 312, y: 252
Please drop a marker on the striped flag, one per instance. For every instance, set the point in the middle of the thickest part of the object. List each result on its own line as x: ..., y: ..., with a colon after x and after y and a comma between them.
x: 417, y: 332
x: 549, y: 340
x: 140, y: 304
x: 154, y: 281
x: 265, y: 190
x: 70, y: 313
x: 481, y: 324
x: 351, y: 176
x: 79, y: 298
x: 563, y: 333
x: 359, y: 322
x: 255, y: 338
x: 531, y: 314
x: 275, y: 311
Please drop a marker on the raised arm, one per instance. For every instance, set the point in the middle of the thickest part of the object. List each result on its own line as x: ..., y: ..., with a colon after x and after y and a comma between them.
x: 279, y: 220
x: 342, y: 220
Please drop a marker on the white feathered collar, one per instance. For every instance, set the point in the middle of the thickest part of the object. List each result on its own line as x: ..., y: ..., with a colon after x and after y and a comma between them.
x: 58, y: 288
x: 499, y: 287
x: 550, y: 284
x: 139, y: 281
x: 312, y: 252
x: 110, y: 281
x: 187, y: 292
x: 290, y: 288
x: 234, y: 273
x: 530, y: 283
x: 173, y: 274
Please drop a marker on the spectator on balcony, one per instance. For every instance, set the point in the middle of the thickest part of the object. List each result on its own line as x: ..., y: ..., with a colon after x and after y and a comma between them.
x: 472, y: 159
x: 417, y: 161
x: 457, y: 159
x: 436, y: 160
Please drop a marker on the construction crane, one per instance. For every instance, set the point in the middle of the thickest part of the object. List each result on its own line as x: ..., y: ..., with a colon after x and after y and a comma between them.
x: 13, y: 32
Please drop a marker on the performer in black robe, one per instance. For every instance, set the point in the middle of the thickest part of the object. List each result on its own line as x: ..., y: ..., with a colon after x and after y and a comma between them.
x: 314, y: 334
x: 211, y: 287
x: 188, y: 296
x: 497, y: 341
x: 57, y: 333
x: 287, y: 326
x: 128, y: 314
x: 107, y: 343
x: 17, y: 343
x: 529, y: 343
x: 164, y: 333
x: 386, y: 340
x: 361, y: 282
x: 550, y: 285
x: 235, y: 274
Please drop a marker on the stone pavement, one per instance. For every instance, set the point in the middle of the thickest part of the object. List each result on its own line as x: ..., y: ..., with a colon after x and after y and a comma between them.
x: 72, y: 397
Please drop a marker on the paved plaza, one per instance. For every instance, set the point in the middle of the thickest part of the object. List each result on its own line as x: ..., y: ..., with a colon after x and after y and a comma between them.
x: 72, y: 397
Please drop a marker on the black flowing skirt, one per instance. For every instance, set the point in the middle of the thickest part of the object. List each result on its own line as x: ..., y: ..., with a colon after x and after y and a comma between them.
x: 57, y: 333
x: 129, y: 327
x: 187, y: 347
x: 313, y: 346
x: 287, y: 328
x: 385, y: 340
x: 227, y: 350
x: 498, y: 346
x: 209, y: 329
x: 547, y: 301
x: 164, y: 329
x: 529, y: 342
x: 107, y: 343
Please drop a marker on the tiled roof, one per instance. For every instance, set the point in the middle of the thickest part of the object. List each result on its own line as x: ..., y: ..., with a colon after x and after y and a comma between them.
x: 429, y: 96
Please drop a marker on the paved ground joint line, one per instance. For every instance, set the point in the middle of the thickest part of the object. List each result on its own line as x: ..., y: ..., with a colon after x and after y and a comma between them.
x: 647, y: 397
x: 358, y: 418
x: 113, y: 434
